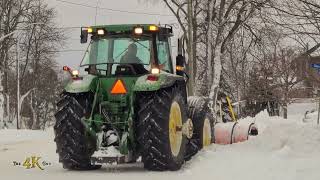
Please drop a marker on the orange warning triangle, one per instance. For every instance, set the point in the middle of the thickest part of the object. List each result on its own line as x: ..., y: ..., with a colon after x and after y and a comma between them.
x: 118, y: 88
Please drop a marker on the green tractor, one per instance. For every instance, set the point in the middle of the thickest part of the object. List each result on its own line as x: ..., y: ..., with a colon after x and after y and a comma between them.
x: 131, y: 105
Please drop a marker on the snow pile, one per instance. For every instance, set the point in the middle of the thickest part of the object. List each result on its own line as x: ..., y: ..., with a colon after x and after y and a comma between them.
x: 305, y: 112
x: 11, y: 136
x: 284, y: 150
x: 310, y: 117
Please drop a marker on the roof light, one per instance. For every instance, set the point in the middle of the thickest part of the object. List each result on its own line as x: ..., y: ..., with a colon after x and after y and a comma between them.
x: 75, y: 73
x: 153, y: 28
x: 155, y: 71
x: 118, y: 88
x: 138, y: 30
x: 100, y: 32
x: 90, y: 30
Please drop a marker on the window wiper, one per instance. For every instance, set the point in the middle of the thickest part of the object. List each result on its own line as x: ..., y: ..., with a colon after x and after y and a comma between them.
x: 121, y: 53
x: 141, y: 44
x: 128, y: 48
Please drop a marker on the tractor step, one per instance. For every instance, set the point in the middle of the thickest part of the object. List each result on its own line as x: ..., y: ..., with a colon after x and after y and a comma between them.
x: 109, y: 155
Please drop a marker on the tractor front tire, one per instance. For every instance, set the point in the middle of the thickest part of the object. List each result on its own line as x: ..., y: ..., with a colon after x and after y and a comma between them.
x: 161, y: 116
x: 73, y: 145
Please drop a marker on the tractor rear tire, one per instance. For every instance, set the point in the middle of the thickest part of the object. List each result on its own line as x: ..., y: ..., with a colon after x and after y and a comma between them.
x: 202, y: 119
x: 73, y: 145
x: 161, y: 115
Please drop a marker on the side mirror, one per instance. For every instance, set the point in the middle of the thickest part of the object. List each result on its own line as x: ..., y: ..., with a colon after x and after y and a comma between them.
x: 84, y: 36
x: 180, y: 65
x: 181, y: 60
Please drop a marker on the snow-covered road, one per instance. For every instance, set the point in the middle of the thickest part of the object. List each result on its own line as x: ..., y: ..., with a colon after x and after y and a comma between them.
x: 284, y: 150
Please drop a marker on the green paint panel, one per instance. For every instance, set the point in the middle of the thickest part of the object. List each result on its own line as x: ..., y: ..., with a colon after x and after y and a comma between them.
x: 118, y: 105
x: 165, y: 80
x: 108, y: 82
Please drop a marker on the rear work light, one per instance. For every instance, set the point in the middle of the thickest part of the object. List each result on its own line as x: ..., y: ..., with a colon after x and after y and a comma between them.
x: 101, y: 32
x: 155, y: 71
x: 75, y: 73
x: 138, y: 30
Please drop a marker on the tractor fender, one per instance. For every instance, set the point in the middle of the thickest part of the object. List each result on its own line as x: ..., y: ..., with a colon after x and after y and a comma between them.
x: 164, y: 80
x: 83, y: 84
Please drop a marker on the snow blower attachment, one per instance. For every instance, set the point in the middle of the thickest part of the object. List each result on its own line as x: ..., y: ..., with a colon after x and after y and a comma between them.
x: 234, y: 132
x: 132, y: 103
x: 229, y: 131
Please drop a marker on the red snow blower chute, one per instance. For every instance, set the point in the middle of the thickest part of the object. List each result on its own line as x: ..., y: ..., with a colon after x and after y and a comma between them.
x: 234, y: 132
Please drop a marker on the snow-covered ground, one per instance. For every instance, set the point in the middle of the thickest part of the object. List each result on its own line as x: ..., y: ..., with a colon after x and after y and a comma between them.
x: 285, y: 150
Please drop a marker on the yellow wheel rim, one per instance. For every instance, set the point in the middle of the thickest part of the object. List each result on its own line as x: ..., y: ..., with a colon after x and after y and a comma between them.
x: 175, y: 128
x: 206, y: 140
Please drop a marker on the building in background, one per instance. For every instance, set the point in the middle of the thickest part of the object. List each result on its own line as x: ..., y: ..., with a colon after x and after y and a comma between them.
x: 309, y: 76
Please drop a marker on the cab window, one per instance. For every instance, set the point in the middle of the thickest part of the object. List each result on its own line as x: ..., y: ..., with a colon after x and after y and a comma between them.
x: 164, y: 55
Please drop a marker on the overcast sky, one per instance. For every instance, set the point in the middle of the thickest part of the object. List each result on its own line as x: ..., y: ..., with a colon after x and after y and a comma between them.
x: 70, y: 15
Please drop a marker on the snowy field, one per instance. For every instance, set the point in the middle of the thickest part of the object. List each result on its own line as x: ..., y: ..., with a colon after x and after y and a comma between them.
x: 284, y: 150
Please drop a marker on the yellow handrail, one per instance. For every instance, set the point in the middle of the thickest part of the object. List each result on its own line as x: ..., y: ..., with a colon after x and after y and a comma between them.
x: 231, y: 109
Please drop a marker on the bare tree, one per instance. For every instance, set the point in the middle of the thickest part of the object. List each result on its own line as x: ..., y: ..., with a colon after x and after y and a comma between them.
x: 11, y: 13
x: 214, y: 24
x: 39, y: 47
x: 39, y: 44
x: 238, y: 62
x: 287, y: 75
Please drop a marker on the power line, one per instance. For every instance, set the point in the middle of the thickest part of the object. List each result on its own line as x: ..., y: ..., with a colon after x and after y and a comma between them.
x: 114, y: 10
x: 75, y: 27
x: 69, y: 50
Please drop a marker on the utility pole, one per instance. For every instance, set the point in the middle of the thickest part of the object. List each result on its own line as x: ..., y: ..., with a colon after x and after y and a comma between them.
x: 190, y: 49
x: 318, y: 92
x: 18, y: 82
x: 96, y: 15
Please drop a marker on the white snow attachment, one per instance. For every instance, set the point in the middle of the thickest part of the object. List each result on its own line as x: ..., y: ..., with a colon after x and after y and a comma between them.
x: 234, y: 132
x: 223, y: 133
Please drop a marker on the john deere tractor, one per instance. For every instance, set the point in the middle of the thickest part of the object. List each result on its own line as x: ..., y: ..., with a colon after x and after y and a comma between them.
x: 130, y: 104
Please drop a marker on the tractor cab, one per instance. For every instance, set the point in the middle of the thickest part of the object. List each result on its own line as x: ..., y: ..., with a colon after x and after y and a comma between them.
x: 127, y: 50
